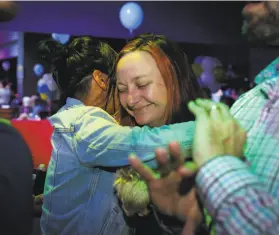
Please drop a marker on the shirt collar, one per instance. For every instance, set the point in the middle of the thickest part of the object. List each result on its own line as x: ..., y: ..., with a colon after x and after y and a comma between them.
x: 73, y: 101
x: 269, y: 72
x: 271, y: 88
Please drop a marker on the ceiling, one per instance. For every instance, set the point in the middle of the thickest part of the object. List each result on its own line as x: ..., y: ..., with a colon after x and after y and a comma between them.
x: 200, y: 22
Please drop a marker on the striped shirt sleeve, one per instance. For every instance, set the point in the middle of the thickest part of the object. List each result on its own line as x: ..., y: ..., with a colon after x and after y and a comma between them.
x: 236, y: 198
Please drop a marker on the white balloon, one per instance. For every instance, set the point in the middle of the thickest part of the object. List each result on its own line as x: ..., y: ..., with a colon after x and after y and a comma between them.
x: 216, y: 96
x: 26, y: 101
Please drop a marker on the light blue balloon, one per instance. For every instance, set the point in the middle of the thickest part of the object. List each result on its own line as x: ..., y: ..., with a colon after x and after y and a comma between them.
x: 6, y: 65
x: 38, y: 69
x: 131, y: 15
x: 61, y: 38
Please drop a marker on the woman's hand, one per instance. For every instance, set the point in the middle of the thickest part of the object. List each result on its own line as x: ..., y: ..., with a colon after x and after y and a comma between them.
x: 165, y: 189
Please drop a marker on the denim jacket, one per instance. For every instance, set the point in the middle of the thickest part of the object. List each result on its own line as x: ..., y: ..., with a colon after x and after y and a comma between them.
x: 87, y: 142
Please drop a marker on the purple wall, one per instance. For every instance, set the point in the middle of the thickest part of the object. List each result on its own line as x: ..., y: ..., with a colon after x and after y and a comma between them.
x: 8, y: 44
x: 11, y: 46
x: 199, y: 22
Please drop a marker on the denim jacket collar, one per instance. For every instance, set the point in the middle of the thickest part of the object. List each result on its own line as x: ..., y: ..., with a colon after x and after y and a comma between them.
x: 73, y: 102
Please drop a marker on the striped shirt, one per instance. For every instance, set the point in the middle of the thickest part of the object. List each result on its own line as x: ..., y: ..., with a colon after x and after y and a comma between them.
x: 244, y: 199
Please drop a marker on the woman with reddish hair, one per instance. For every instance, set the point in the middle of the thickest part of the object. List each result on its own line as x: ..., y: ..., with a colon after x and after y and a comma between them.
x: 155, y: 83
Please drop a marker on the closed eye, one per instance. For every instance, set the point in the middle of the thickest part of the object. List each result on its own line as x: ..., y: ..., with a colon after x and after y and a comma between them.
x: 143, y: 85
x: 122, y: 89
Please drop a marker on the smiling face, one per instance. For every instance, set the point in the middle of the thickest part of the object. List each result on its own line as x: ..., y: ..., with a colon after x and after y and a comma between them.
x: 141, y: 87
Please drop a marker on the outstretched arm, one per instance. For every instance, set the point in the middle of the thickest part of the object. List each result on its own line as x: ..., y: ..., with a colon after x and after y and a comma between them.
x: 100, y: 141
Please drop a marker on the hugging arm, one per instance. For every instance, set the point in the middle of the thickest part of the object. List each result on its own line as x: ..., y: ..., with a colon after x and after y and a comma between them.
x: 100, y: 141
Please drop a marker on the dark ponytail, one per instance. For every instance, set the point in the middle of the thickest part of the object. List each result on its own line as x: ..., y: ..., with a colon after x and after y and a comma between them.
x: 75, y: 62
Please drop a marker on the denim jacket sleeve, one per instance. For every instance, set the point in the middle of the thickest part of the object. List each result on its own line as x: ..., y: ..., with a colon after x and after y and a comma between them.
x: 100, y: 141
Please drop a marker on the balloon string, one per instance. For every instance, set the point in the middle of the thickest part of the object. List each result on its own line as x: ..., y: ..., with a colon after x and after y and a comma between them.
x: 131, y: 33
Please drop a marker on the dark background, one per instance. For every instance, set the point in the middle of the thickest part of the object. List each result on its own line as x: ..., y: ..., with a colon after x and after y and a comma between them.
x: 202, y: 28
x: 11, y: 74
x: 237, y: 55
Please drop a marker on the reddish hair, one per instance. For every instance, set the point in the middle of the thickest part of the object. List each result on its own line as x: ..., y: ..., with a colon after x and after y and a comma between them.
x: 178, y: 77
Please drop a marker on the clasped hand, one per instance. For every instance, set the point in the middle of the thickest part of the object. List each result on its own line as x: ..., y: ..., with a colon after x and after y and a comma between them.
x: 217, y: 134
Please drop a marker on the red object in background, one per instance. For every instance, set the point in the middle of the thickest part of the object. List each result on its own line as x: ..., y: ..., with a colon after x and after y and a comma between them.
x: 37, y: 135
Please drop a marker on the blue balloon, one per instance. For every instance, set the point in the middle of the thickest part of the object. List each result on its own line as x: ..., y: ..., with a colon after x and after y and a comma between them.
x: 6, y: 65
x: 131, y: 16
x: 198, y: 59
x: 38, y: 69
x: 61, y: 38
x: 43, y: 89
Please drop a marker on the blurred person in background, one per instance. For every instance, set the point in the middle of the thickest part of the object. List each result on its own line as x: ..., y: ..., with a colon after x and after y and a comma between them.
x: 8, y: 10
x: 15, y: 182
x: 5, y: 93
x: 16, y: 204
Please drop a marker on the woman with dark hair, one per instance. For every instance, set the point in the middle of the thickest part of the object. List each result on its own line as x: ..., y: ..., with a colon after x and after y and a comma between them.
x: 87, y: 142
x: 155, y: 83
x: 80, y: 59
